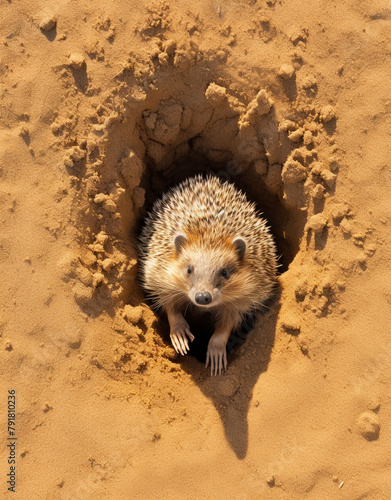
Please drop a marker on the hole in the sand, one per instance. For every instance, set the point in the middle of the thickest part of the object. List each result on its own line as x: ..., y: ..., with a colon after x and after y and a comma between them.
x: 164, y: 139
x: 157, y: 180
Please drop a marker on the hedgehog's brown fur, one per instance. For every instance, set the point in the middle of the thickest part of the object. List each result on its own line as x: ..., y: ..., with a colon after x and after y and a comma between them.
x: 196, y: 232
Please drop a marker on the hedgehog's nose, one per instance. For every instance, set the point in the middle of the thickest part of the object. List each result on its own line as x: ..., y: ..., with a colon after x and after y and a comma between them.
x: 203, y: 298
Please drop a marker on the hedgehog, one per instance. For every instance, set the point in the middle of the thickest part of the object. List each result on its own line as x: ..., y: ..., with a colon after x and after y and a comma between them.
x: 205, y: 246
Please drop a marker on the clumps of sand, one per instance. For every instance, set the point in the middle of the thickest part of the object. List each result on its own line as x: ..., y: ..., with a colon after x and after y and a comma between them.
x: 259, y: 106
x: 47, y: 21
x: 98, y: 272
x: 76, y: 60
x: 286, y: 71
x: 368, y: 424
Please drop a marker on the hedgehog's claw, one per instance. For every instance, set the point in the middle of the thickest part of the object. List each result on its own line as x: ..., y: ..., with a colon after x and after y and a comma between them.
x: 179, y: 343
x: 179, y: 340
x: 216, y: 356
x: 189, y: 334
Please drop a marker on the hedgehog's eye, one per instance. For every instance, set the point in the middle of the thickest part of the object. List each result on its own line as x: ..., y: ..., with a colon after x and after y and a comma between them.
x: 224, y: 273
x: 189, y: 269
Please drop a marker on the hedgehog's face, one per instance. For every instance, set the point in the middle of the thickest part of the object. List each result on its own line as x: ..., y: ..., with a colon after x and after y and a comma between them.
x: 209, y: 276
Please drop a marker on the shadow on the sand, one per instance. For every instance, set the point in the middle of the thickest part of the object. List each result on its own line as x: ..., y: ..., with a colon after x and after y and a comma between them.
x: 231, y: 393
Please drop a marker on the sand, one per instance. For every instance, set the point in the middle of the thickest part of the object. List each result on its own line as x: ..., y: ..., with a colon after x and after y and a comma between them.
x: 103, y: 107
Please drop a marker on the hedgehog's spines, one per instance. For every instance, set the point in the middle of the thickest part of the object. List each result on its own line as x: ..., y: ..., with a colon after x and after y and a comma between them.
x: 218, y: 212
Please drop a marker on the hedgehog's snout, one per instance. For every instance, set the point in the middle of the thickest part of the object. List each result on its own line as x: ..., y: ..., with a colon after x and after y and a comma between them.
x: 203, y: 298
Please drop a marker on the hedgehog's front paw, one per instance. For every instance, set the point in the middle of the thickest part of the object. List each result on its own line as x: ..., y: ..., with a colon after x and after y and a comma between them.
x: 179, y: 334
x: 216, y: 355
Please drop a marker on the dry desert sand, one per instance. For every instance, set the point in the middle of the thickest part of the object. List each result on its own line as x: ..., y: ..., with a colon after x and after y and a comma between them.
x: 104, y: 105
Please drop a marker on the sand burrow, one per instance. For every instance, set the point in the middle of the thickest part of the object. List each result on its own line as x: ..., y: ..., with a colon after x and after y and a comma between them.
x: 160, y: 140
x: 147, y: 135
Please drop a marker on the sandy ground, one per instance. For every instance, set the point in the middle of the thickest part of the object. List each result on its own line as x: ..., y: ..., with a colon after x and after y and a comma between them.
x: 104, y: 105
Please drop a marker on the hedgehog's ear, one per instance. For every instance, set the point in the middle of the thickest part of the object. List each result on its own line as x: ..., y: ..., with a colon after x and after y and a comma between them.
x: 179, y: 242
x: 240, y: 247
